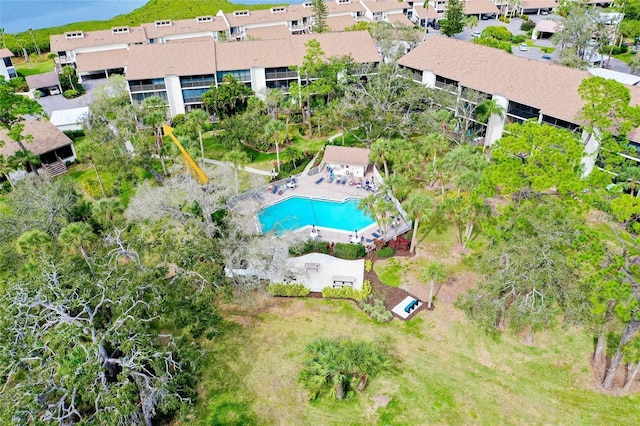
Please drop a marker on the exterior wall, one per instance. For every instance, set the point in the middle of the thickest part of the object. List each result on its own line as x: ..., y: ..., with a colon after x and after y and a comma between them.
x: 187, y: 36
x: 495, y: 126
x: 428, y: 79
x: 3, y: 71
x: 174, y: 95
x: 90, y: 49
x: 7, y: 71
x: 259, y: 82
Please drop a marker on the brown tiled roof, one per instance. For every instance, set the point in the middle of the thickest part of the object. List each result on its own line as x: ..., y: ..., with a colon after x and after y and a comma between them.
x: 97, y: 38
x: 38, y: 81
x: 272, y: 32
x: 548, y: 26
x: 551, y: 88
x: 378, y: 6
x: 6, y: 53
x: 339, y: 23
x: 538, y: 4
x: 255, y: 17
x: 399, y: 19
x: 346, y: 155
x: 477, y: 7
x: 185, y: 26
x: 420, y: 11
x: 334, y: 8
x: 100, y: 61
x: 357, y: 44
x: 46, y: 137
x: 251, y: 54
x: 159, y: 60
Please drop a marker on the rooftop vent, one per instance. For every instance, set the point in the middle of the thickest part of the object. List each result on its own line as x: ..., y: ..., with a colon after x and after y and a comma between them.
x: 120, y: 30
x: 165, y: 23
x: 74, y: 34
x: 201, y: 19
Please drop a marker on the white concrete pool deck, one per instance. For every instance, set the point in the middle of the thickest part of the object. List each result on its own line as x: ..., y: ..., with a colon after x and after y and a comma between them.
x: 323, y: 190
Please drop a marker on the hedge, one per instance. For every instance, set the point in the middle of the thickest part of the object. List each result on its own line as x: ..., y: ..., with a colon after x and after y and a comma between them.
x: 288, y: 290
x: 386, y: 252
x: 348, y: 292
x: 309, y: 246
x: 349, y: 251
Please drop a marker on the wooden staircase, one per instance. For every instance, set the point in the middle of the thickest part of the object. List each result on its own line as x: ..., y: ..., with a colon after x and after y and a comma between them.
x: 54, y: 169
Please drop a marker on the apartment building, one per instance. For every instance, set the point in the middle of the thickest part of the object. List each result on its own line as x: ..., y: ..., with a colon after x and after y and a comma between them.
x: 525, y: 88
x: 7, y: 70
x: 180, y: 72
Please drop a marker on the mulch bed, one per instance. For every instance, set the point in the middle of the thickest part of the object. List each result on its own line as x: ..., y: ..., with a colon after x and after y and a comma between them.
x: 390, y: 295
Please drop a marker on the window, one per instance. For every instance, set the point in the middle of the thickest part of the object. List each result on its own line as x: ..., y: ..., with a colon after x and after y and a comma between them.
x: 280, y: 73
x: 242, y: 75
x: 12, y: 73
x: 165, y: 23
x: 241, y: 13
x: 147, y: 85
x: 197, y: 81
x: 7, y: 62
x: 442, y: 82
x: 201, y: 19
x: 74, y: 34
x: 307, y: 5
x: 140, y: 97
x: 191, y: 96
x: 119, y: 30
x: 559, y: 123
x: 522, y: 110
x: 343, y: 1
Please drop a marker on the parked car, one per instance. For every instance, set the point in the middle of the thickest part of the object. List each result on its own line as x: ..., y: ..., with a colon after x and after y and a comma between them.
x: 544, y: 12
x: 547, y: 57
x: 523, y: 47
x: 435, y: 25
x: 475, y: 34
x: 54, y: 91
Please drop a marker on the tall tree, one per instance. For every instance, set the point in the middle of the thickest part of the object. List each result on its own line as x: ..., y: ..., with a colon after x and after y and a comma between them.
x: 6, y: 167
x: 238, y: 159
x: 454, y: 18
x: 229, y: 98
x: 418, y: 205
x: 154, y: 114
x: 25, y: 159
x: 274, y: 129
x: 434, y: 272
x: 196, y: 119
x: 78, y: 236
x: 320, y: 15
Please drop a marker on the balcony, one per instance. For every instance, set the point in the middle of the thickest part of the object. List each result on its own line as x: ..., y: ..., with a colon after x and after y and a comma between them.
x: 281, y: 75
x: 147, y: 88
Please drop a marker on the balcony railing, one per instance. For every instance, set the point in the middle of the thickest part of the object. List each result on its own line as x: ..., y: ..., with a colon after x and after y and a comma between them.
x: 281, y: 75
x: 207, y: 83
x: 147, y: 87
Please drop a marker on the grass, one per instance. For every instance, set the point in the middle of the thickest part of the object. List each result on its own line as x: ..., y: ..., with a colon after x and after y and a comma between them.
x: 389, y: 271
x: 446, y: 371
x: 29, y: 68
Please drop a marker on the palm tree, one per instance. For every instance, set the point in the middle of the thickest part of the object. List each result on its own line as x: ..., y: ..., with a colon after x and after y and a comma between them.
x: 33, y: 37
x: 197, y: 119
x: 434, y: 273
x: 433, y: 145
x: 69, y: 72
x: 472, y: 21
x: 78, y: 235
x: 273, y: 129
x: 154, y: 111
x: 238, y: 159
x: 6, y: 167
x: 382, y: 151
x: 32, y: 242
x: 25, y: 159
x: 486, y: 109
x: 292, y: 154
x: 85, y: 152
x: 418, y: 205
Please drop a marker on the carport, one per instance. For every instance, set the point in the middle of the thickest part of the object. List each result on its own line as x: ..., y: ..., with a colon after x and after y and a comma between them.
x: 535, y: 7
x: 46, y: 83
x: 480, y: 7
x: 545, y: 29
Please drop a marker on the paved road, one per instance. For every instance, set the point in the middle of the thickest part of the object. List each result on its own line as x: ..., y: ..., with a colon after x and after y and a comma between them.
x: 58, y: 102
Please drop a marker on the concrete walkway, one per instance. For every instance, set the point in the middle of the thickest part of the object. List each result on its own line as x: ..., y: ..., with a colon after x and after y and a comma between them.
x: 245, y: 168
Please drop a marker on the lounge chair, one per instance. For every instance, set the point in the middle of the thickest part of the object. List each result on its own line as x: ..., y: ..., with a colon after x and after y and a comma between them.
x: 338, y: 180
x: 344, y: 181
x: 375, y: 235
x: 319, y: 180
x: 275, y: 189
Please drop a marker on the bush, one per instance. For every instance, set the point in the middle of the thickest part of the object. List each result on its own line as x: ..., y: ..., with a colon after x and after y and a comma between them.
x: 349, y: 251
x: 504, y: 19
x: 74, y: 134
x: 517, y: 39
x: 309, y: 246
x: 368, y: 265
x: 69, y: 94
x: 615, y: 50
x: 288, y: 290
x: 348, y: 292
x: 492, y: 42
x: 527, y: 26
x: 375, y: 309
x: 524, y: 17
x: 497, y: 32
x: 92, y: 188
x: 401, y: 243
x: 386, y: 252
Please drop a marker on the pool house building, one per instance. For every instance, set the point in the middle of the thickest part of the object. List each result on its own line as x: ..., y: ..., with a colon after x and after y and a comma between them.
x: 347, y: 161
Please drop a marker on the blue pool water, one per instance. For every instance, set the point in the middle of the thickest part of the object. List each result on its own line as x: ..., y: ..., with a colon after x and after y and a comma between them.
x: 296, y: 212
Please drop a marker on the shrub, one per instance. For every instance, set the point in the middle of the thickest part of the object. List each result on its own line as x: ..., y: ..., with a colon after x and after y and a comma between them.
x: 615, y: 50
x: 386, y: 252
x: 401, y: 243
x: 527, y: 26
x: 309, y: 246
x: 74, y: 134
x: 492, y: 42
x: 517, y: 39
x: 349, y: 251
x: 497, y: 32
x: 92, y: 188
x: 504, y: 19
x: 69, y: 94
x: 524, y: 17
x: 348, y: 292
x: 288, y: 290
x: 368, y: 265
x: 375, y: 309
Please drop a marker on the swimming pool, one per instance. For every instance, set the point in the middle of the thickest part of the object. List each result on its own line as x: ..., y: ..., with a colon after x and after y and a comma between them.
x: 296, y: 212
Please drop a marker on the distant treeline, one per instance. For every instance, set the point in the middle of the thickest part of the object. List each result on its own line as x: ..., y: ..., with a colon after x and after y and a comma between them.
x: 150, y: 12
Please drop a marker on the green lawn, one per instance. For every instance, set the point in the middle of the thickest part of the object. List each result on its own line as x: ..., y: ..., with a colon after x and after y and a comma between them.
x: 446, y: 371
x: 390, y: 271
x: 25, y: 68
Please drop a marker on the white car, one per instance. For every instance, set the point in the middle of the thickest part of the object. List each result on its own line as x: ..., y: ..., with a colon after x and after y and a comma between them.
x: 524, y: 47
x: 475, y: 34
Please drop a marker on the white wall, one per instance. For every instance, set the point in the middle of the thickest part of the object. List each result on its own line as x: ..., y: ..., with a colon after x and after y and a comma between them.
x: 174, y: 95
x: 495, y: 126
x: 3, y: 70
x: 259, y: 82
x: 428, y: 79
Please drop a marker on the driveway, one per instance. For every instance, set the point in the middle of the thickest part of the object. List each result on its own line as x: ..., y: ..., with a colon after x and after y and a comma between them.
x: 58, y: 102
